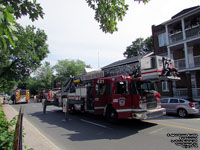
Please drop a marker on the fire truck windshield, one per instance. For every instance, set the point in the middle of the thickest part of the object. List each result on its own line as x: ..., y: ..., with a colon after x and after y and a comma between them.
x: 143, y: 87
x: 22, y: 92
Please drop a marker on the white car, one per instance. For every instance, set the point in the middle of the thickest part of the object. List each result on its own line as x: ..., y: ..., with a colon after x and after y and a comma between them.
x: 180, y: 106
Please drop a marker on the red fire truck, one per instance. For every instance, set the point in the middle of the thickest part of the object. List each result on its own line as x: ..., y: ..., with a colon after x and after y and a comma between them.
x: 118, y: 96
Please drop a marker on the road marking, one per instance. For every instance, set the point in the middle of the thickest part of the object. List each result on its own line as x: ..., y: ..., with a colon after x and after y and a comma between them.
x: 94, y: 123
x: 156, y: 130
x: 34, y: 106
x: 65, y: 120
x: 170, y: 125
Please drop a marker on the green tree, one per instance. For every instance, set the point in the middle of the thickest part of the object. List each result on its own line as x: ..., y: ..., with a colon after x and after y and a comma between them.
x: 43, y: 79
x: 139, y: 47
x: 7, y: 27
x: 24, y: 8
x: 10, y: 10
x: 67, y: 68
x: 10, y: 59
x: 32, y: 85
x: 44, y: 75
x: 17, y: 63
x: 108, y: 12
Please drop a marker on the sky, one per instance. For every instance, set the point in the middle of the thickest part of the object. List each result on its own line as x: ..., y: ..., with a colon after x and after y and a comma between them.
x: 73, y: 33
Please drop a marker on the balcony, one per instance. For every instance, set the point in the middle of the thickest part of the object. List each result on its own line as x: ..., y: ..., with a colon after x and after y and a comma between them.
x: 192, y: 31
x: 175, y: 37
x: 180, y: 64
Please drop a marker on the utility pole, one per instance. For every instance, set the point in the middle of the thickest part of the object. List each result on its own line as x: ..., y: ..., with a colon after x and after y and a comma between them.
x: 98, y: 61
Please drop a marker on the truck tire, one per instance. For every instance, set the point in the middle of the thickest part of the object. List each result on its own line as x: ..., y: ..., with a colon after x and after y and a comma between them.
x: 112, y: 115
x: 72, y: 110
x: 44, y: 106
x: 182, y: 113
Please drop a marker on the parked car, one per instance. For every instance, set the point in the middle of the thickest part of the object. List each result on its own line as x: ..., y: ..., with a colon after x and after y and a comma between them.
x: 180, y: 106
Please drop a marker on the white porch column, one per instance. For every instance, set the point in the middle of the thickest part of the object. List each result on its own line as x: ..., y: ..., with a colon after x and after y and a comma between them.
x: 190, y: 57
x: 183, y: 28
x: 186, y: 55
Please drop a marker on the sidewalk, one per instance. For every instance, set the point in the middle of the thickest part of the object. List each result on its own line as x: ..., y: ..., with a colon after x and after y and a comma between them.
x: 33, y: 137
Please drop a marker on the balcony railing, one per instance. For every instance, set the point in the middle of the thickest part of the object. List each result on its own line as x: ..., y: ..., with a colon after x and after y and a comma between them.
x: 180, y: 64
x: 190, y: 32
x: 196, y: 92
x: 193, y: 31
x: 197, y: 61
x: 183, y: 92
x: 175, y: 37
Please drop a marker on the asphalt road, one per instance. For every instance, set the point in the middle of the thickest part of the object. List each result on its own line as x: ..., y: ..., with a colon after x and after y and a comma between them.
x: 89, y: 132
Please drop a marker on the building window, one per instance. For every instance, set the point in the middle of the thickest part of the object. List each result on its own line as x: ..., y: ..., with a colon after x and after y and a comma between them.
x: 162, y: 39
x: 165, y: 86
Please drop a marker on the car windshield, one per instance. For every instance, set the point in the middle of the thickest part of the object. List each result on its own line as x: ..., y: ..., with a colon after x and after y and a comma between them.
x: 142, y: 87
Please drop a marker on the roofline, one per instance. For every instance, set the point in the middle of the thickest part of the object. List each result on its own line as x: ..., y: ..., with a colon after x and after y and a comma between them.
x: 129, y: 62
x: 120, y: 64
x: 185, y: 14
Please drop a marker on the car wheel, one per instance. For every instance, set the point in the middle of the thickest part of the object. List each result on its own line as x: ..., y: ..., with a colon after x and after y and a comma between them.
x: 182, y: 113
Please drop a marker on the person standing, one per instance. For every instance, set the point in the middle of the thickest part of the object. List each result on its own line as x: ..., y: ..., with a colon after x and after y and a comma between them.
x: 34, y: 98
x: 4, y: 100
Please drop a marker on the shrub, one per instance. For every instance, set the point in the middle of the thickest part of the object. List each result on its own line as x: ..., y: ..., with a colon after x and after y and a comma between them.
x: 6, y: 132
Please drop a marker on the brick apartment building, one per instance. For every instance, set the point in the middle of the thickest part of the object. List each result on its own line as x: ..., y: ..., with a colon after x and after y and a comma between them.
x: 179, y: 38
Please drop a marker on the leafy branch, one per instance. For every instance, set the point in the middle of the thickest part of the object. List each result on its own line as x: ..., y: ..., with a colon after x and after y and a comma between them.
x: 109, y: 12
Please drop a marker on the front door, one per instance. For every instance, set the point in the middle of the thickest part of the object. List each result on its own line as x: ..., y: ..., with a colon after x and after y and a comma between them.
x: 121, y: 97
x: 103, y: 93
